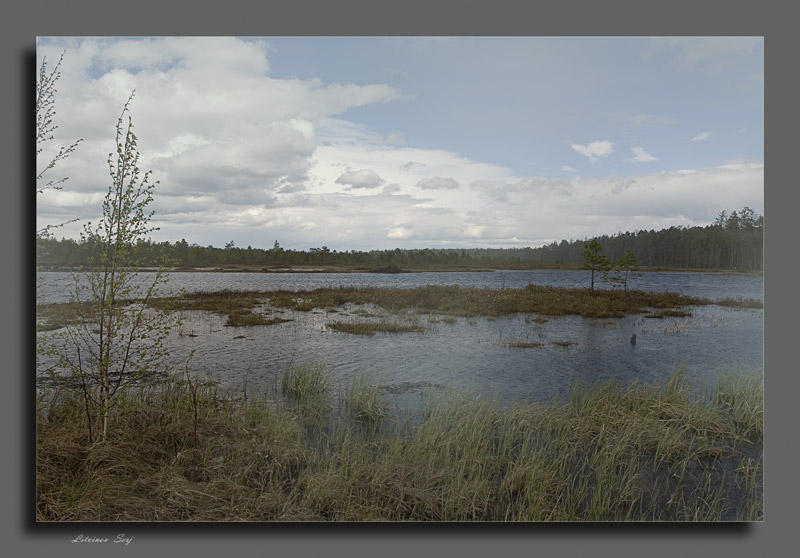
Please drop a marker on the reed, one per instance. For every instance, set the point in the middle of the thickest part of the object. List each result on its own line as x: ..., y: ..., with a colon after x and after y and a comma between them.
x: 364, y: 399
x: 610, y: 453
x: 307, y: 386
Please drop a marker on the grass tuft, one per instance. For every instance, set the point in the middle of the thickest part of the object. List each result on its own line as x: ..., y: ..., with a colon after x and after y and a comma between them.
x: 245, y: 318
x: 364, y: 399
x: 307, y: 385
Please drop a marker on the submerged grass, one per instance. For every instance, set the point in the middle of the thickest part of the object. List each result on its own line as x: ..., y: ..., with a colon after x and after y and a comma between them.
x: 739, y: 302
x: 370, y: 328
x: 225, y: 301
x: 55, y: 316
x: 520, y: 344
x: 248, y: 318
x: 611, y: 453
x: 668, y: 314
x: 239, y: 306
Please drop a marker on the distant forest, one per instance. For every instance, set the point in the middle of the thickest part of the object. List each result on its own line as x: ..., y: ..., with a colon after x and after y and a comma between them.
x: 733, y: 242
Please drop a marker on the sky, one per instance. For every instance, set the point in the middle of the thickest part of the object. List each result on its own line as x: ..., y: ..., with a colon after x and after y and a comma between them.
x: 364, y: 143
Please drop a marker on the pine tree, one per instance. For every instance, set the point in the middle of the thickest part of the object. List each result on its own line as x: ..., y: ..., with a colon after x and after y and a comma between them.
x: 628, y: 265
x: 594, y: 260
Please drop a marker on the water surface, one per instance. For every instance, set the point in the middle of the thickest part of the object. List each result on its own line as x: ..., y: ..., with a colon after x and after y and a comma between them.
x: 467, y: 354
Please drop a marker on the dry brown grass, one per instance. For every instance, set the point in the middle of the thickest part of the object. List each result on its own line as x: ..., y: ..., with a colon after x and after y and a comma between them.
x: 461, y: 301
x: 611, y: 453
x: 449, y: 300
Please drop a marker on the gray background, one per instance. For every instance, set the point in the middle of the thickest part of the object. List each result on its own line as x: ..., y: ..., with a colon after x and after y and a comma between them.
x: 775, y: 20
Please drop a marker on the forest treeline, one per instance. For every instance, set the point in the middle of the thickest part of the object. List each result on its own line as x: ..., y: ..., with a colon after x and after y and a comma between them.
x: 733, y: 242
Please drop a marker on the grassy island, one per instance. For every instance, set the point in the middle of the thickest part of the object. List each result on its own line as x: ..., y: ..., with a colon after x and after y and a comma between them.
x: 449, y: 300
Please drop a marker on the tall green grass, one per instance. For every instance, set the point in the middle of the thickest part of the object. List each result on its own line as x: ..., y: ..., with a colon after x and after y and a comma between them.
x: 610, y: 453
x: 364, y: 399
x: 307, y: 385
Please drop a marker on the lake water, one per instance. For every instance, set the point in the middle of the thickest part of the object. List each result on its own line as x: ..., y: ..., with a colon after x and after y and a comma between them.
x: 59, y: 286
x: 466, y: 354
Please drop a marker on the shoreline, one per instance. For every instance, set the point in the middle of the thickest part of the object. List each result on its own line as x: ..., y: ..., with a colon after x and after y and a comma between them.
x: 411, y: 269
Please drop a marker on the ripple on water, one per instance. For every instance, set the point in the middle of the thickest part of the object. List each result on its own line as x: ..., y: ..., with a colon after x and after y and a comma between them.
x: 507, y: 358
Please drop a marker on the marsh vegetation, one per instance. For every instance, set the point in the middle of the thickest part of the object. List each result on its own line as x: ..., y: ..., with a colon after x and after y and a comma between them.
x: 370, y: 328
x: 316, y: 446
x: 460, y: 301
x: 248, y: 307
x: 641, y: 453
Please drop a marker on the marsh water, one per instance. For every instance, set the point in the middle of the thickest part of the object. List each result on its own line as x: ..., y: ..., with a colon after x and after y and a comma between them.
x: 508, y: 358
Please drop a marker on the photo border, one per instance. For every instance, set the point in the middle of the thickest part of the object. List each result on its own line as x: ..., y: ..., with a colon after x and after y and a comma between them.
x: 772, y: 20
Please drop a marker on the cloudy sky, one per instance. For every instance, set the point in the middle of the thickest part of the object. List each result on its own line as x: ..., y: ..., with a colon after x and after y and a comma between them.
x: 375, y: 143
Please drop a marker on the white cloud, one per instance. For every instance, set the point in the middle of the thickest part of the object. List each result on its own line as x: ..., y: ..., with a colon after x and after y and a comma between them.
x: 489, y: 213
x: 641, y: 156
x: 524, y: 191
x: 245, y: 155
x: 361, y: 179
x: 398, y: 233
x: 220, y: 134
x: 390, y: 164
x: 438, y: 183
x: 594, y: 149
x: 702, y: 136
x: 598, y: 205
x: 182, y: 143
